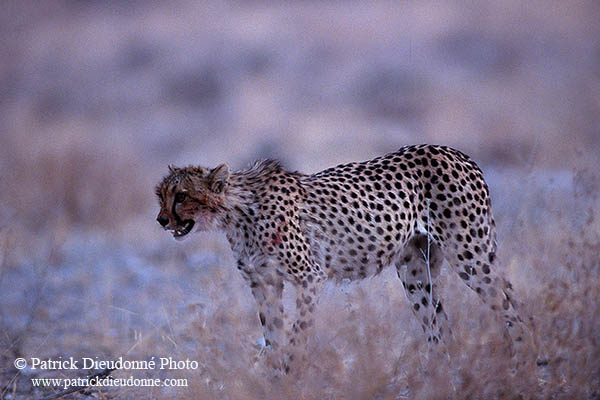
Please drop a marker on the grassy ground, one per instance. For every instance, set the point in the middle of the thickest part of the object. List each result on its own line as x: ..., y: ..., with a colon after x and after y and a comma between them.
x: 106, y: 296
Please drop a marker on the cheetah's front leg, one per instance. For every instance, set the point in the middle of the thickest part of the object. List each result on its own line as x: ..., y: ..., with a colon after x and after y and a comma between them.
x: 308, y: 290
x: 268, y: 295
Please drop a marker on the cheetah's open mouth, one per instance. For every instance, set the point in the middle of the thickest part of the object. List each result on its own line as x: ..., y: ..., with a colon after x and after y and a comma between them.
x: 187, y: 228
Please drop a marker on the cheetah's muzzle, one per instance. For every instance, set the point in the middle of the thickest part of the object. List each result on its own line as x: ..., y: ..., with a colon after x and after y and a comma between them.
x: 187, y: 228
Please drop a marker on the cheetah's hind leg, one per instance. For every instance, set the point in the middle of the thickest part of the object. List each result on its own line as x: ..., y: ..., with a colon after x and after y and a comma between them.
x: 476, y: 267
x: 418, y: 267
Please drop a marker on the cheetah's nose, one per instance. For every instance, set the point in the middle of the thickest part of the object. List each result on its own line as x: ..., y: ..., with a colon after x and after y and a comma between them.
x: 162, y: 220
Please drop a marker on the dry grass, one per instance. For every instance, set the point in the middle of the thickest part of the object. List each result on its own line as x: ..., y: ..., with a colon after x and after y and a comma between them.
x: 140, y: 302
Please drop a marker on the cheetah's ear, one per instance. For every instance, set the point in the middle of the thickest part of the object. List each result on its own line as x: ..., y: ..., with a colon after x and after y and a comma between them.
x: 218, y: 178
x: 172, y: 168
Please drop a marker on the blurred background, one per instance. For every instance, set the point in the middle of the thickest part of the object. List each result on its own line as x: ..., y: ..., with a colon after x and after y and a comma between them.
x: 96, y: 98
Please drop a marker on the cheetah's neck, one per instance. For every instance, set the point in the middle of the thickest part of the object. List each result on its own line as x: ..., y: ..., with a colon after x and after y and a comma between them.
x: 242, y: 201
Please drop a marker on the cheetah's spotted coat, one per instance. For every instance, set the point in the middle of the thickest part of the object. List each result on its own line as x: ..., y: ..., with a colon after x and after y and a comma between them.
x: 349, y: 221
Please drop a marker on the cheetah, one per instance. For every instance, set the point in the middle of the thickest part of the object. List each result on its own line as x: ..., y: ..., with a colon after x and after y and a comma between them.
x: 412, y: 209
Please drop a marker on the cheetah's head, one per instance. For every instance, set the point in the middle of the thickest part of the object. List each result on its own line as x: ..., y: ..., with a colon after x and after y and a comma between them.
x: 192, y: 197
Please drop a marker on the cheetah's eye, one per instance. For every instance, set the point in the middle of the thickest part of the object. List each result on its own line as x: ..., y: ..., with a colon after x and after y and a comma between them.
x: 180, y: 197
